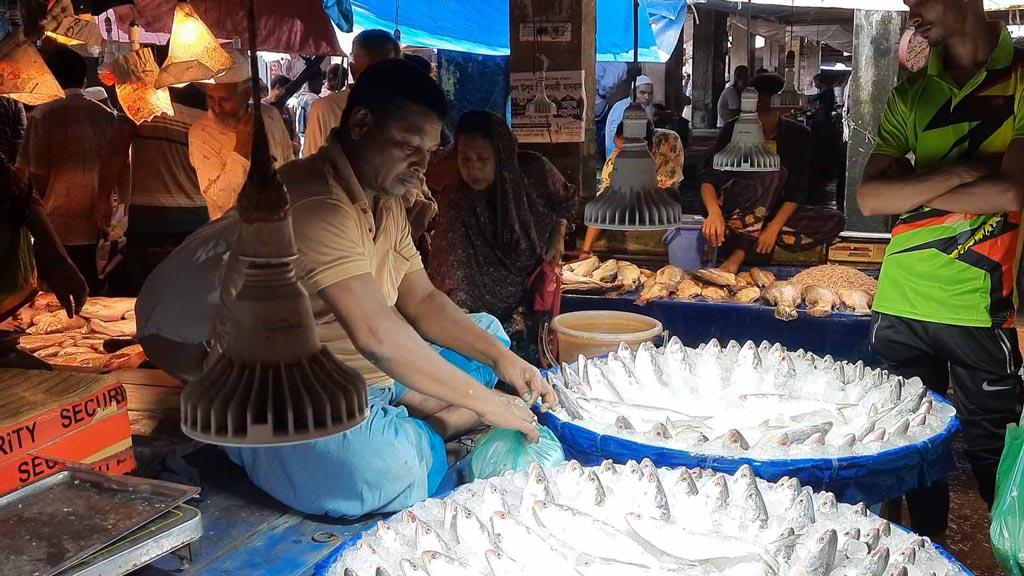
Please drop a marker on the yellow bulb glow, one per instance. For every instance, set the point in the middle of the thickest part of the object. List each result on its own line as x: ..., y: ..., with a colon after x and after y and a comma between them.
x: 193, y: 53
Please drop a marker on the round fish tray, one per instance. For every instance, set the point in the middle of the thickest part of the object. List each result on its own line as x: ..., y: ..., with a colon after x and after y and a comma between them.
x: 868, y: 478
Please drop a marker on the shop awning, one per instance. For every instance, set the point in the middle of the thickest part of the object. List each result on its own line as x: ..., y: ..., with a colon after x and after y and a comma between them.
x: 856, y: 4
x: 282, y: 25
x: 482, y: 26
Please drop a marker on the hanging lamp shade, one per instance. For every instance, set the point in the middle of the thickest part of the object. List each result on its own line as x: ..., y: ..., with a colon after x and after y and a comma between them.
x: 193, y: 53
x: 274, y: 383
x: 135, y: 74
x: 634, y: 201
x: 747, y: 151
x: 65, y: 27
x: 23, y: 74
x: 789, y: 97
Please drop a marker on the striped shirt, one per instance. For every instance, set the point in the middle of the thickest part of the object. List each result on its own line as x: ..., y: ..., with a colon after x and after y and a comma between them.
x: 162, y: 175
x: 67, y: 140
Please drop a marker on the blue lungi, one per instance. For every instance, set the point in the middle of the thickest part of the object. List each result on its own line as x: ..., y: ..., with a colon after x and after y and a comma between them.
x: 385, y: 464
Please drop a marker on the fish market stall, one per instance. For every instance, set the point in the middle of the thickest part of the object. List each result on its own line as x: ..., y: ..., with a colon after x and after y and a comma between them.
x: 636, y: 519
x: 842, y: 333
x: 858, y: 432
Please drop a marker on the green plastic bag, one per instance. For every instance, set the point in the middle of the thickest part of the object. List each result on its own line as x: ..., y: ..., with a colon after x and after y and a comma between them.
x: 1007, y: 530
x: 501, y: 449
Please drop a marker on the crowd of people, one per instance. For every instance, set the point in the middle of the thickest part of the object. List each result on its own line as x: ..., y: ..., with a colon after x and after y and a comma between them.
x: 433, y: 331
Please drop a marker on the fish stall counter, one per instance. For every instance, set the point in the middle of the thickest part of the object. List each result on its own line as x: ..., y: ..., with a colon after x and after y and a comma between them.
x: 844, y: 335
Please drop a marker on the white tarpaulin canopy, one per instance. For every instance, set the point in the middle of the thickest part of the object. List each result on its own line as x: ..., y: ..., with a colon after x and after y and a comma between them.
x: 865, y: 4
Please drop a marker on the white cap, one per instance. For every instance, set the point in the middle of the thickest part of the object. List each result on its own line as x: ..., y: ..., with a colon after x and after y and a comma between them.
x: 239, y: 71
x: 96, y: 93
x: 641, y: 80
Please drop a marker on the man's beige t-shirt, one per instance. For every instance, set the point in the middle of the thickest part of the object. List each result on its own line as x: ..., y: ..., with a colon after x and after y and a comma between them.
x: 339, y: 238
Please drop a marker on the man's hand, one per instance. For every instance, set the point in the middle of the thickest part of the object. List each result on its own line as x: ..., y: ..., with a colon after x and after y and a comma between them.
x: 766, y: 241
x: 526, y: 379
x: 506, y: 411
x: 714, y: 229
x: 243, y: 136
x: 60, y: 275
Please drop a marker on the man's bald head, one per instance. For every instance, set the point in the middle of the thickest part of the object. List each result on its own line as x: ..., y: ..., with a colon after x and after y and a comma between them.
x: 370, y: 47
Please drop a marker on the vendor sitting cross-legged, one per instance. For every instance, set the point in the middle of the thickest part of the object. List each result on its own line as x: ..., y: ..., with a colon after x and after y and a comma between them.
x: 756, y: 211
x: 374, y: 306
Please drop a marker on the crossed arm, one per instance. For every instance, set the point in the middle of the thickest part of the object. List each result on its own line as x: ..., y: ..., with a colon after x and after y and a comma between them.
x: 985, y: 186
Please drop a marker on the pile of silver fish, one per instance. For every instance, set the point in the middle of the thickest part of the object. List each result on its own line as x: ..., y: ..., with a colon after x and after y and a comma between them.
x: 638, y: 520
x: 746, y: 400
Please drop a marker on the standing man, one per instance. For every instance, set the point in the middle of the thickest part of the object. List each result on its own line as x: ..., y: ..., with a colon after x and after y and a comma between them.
x: 165, y: 205
x: 945, y: 305
x: 64, y: 147
x: 220, y: 142
x: 644, y: 96
x: 374, y: 306
x: 368, y: 47
x: 729, y: 101
x: 304, y: 101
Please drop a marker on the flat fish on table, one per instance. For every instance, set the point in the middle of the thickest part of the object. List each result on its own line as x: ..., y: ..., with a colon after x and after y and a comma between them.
x: 744, y: 279
x: 629, y: 276
x: 655, y: 291
x: 688, y: 289
x: 747, y: 295
x: 762, y: 278
x: 107, y: 309
x: 670, y: 275
x: 716, y: 277
x: 607, y: 272
x: 34, y: 343
x: 820, y: 300
x: 115, y: 329
x: 786, y: 297
x: 584, y: 267
x: 715, y: 293
x: 858, y: 301
x: 54, y: 322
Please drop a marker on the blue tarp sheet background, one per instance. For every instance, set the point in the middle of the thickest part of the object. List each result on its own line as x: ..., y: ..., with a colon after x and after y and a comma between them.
x: 482, y: 26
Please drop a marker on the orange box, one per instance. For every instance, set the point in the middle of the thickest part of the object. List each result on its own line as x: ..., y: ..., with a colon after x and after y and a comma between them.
x: 42, y: 407
x: 105, y: 443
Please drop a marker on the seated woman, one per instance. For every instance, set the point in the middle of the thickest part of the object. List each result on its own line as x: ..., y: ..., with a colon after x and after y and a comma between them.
x: 756, y: 211
x: 666, y: 148
x: 504, y: 217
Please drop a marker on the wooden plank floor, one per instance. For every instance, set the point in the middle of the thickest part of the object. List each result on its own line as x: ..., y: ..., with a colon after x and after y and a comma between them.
x: 245, y: 531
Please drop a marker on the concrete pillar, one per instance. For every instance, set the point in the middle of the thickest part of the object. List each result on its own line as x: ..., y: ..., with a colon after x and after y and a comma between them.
x: 710, y: 49
x: 575, y: 160
x: 875, y: 66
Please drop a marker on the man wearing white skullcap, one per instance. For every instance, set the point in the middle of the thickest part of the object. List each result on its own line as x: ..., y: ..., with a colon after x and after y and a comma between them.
x: 644, y: 97
x: 220, y: 142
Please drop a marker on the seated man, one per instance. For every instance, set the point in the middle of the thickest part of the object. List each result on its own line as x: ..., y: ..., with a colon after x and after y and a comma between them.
x: 666, y: 148
x: 757, y: 211
x: 374, y: 306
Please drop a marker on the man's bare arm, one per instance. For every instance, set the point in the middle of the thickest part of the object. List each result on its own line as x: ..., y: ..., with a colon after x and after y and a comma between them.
x: 884, y: 192
x: 1002, y: 192
x: 391, y: 344
x: 439, y: 320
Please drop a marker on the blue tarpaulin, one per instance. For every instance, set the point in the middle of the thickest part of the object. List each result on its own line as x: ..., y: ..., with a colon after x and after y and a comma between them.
x: 482, y: 26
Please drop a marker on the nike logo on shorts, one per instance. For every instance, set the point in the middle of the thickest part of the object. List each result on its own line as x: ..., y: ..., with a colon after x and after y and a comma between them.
x: 985, y: 386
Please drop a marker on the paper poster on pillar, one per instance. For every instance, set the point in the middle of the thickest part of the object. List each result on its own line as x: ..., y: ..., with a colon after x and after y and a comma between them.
x: 545, y: 32
x: 548, y: 108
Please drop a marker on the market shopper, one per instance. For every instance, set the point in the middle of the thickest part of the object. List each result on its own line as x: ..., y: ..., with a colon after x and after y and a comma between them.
x: 944, y: 311
x: 368, y: 47
x: 752, y: 212
x: 729, y: 100
x: 219, y: 143
x: 507, y: 215
x: 643, y: 95
x: 375, y: 309
x: 165, y: 204
x: 304, y: 101
x: 666, y: 149
x: 65, y: 143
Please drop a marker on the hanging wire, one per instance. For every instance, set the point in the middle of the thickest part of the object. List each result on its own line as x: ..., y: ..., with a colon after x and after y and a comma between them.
x: 398, y: 29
